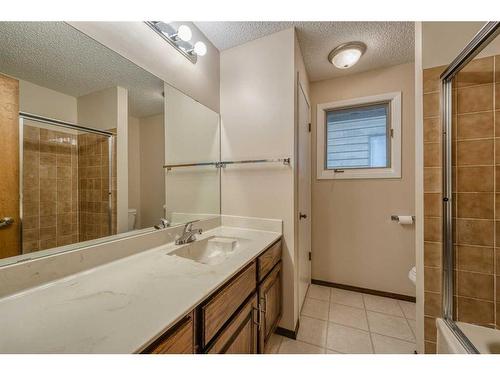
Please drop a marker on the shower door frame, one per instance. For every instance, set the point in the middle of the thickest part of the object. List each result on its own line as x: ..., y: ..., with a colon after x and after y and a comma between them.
x: 487, y: 33
x: 68, y: 125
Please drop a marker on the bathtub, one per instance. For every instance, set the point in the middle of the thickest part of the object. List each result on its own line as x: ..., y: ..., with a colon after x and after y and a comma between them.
x: 485, y: 340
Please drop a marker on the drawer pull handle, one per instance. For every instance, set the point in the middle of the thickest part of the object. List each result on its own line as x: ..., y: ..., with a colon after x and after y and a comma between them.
x: 257, y: 316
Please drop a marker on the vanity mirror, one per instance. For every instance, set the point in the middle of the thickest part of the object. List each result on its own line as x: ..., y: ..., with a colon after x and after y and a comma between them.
x: 85, y: 134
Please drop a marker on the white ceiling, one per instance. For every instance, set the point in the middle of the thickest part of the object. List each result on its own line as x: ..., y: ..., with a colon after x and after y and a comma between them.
x: 57, y: 56
x: 389, y: 43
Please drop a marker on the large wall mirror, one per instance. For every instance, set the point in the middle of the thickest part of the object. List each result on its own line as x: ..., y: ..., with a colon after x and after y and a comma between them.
x: 85, y: 135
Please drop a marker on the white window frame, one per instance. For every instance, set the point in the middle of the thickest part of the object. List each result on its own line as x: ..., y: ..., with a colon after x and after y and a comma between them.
x: 394, y: 171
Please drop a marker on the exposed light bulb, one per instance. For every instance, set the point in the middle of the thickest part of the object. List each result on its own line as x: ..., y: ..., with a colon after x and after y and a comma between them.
x: 184, y: 33
x: 200, y: 48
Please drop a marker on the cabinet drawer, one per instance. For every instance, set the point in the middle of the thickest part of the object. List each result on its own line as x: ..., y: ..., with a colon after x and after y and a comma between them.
x: 177, y: 340
x: 240, y: 336
x: 268, y: 259
x: 217, y: 311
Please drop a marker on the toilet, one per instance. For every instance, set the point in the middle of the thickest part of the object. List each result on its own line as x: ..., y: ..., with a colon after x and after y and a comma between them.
x: 132, y: 213
x: 412, y: 275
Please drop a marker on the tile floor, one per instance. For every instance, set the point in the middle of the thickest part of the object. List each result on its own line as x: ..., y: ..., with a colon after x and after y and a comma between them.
x: 338, y: 321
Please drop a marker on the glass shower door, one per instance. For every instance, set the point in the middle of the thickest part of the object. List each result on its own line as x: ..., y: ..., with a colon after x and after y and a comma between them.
x: 66, y: 188
x: 470, y: 107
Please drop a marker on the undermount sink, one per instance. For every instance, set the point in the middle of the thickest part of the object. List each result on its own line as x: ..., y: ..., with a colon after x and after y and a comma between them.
x: 212, y: 250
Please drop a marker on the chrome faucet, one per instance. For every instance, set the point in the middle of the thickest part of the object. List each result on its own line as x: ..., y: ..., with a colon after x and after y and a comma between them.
x: 164, y: 223
x: 189, y: 234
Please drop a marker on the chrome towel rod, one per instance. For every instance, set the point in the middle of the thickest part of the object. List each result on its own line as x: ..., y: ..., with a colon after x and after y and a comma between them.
x: 170, y: 166
x: 222, y: 164
x: 285, y: 161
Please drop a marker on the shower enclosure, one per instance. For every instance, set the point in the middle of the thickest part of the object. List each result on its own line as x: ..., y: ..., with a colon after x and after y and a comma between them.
x: 462, y: 190
x: 68, y: 183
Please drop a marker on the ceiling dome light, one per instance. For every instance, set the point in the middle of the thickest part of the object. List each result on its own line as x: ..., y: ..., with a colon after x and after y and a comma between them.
x: 200, y: 48
x: 184, y: 33
x: 346, y: 55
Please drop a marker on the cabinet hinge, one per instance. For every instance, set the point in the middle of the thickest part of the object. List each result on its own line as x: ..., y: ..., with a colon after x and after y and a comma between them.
x: 309, y: 127
x: 310, y: 255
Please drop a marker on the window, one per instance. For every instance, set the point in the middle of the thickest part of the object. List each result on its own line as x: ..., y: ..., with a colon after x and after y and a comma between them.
x: 357, y: 137
x: 360, y: 138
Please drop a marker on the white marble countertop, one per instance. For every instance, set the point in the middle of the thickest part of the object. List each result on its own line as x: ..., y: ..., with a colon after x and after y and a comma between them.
x: 121, y: 306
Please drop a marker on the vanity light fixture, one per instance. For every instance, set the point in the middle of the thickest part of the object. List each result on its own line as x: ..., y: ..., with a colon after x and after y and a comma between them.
x: 347, y: 54
x: 200, y: 48
x: 179, y: 38
x: 184, y: 33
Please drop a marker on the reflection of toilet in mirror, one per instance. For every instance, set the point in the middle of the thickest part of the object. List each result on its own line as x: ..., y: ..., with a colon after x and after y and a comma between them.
x: 132, y: 214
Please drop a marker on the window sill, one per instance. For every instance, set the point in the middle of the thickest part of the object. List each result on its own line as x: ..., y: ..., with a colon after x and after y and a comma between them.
x: 353, y: 174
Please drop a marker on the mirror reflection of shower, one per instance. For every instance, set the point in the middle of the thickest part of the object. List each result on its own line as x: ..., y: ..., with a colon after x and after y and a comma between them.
x: 68, y: 193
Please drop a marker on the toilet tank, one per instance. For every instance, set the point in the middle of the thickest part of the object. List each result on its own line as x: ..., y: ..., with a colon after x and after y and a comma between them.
x: 132, y: 214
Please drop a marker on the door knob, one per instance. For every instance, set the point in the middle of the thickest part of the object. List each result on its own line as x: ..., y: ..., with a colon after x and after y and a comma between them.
x: 302, y: 216
x: 6, y: 221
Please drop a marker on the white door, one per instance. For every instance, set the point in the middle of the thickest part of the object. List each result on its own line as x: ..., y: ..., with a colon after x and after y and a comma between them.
x: 304, y: 173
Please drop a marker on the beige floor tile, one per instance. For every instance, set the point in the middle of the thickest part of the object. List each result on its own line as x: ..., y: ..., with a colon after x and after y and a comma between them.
x: 289, y: 346
x: 389, y: 345
x: 346, y: 297
x: 413, y: 326
x: 349, y: 316
x: 409, y: 309
x: 273, y: 344
x: 382, y: 304
x: 348, y: 340
x: 315, y: 308
x: 312, y: 331
x: 389, y: 325
x: 319, y: 292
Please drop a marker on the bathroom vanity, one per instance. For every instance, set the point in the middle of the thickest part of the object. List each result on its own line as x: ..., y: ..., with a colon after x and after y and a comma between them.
x: 219, y: 294
x: 238, y: 317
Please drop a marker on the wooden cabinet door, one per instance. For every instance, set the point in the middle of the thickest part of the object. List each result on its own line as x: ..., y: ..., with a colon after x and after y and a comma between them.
x: 241, y: 335
x: 270, y: 303
x: 9, y: 169
x: 177, y: 340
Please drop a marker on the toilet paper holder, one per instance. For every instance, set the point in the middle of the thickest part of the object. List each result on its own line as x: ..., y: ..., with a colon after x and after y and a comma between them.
x: 396, y: 217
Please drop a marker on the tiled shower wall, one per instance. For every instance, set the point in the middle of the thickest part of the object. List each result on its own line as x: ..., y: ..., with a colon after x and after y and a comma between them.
x: 50, y: 197
x: 94, y: 179
x: 476, y: 195
x: 65, y: 188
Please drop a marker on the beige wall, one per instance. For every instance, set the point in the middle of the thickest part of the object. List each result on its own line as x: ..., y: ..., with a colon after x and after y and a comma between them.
x: 98, y: 109
x: 46, y: 102
x: 257, y: 114
x: 141, y: 45
x: 152, y: 146
x: 354, y: 242
x: 146, y: 186
x: 134, y: 168
x: 443, y: 41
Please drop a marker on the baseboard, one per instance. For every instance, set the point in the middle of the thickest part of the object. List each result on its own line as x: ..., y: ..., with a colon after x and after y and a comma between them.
x: 401, y: 297
x: 287, y: 332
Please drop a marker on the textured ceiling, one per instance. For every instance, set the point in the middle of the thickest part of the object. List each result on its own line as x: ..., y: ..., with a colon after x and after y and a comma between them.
x: 389, y: 43
x: 56, y: 56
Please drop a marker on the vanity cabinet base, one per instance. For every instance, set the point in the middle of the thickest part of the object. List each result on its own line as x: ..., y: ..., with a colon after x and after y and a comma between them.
x: 238, y: 318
